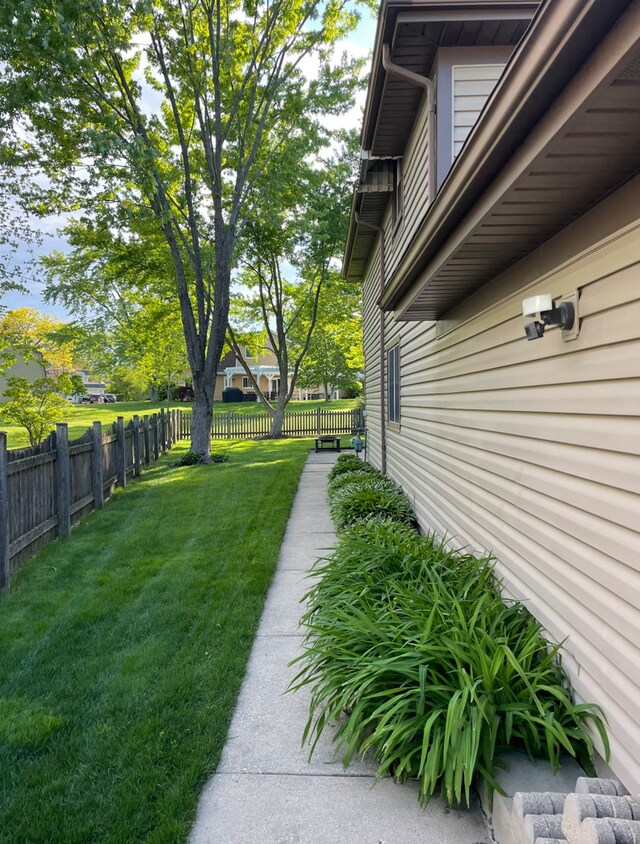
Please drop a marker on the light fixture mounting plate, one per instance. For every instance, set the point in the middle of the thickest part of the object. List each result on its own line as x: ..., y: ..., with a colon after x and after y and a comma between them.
x: 572, y: 298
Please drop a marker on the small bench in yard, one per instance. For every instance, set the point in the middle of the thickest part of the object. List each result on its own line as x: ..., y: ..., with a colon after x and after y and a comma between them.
x: 327, y: 444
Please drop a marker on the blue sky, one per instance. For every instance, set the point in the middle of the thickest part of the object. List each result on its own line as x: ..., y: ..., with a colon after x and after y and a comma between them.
x: 359, y: 43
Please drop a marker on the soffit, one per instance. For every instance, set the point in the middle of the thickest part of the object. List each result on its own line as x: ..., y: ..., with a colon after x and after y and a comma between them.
x: 414, y: 43
x: 593, y: 153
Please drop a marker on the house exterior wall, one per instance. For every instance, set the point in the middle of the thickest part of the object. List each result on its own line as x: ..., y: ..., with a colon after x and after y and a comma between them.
x: 415, y: 179
x: 219, y: 387
x: 450, y: 111
x: 29, y: 369
x: 532, y: 449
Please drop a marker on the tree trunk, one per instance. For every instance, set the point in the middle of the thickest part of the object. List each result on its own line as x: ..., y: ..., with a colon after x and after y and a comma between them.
x: 277, y: 420
x: 201, y: 422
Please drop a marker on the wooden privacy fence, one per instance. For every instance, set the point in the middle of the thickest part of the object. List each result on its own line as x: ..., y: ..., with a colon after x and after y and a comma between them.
x: 47, y: 489
x: 304, y: 423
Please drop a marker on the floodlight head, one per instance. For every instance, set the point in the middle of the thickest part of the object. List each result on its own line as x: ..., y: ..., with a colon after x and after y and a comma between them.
x: 535, y: 305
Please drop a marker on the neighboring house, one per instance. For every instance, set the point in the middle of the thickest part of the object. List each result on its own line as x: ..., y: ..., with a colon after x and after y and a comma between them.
x: 264, y: 369
x: 502, y: 161
x: 30, y: 369
x: 93, y: 388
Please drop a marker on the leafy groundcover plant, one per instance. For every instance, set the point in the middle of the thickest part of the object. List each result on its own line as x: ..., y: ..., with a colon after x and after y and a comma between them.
x: 350, y: 463
x: 411, y: 649
x: 359, y: 502
x: 362, y: 480
x: 193, y: 458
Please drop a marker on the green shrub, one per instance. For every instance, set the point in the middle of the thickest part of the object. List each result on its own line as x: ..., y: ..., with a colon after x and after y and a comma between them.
x: 193, y: 458
x: 189, y: 458
x: 354, y: 503
x: 350, y: 463
x: 362, y: 480
x: 411, y: 648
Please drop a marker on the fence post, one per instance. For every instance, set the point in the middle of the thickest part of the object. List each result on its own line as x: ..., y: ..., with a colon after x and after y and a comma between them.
x: 163, y: 431
x: 318, y: 422
x: 64, y: 479
x: 156, y: 436
x: 121, y: 454
x: 147, y: 441
x: 228, y: 424
x: 136, y: 446
x: 97, y: 469
x: 174, y: 427
x: 5, y: 561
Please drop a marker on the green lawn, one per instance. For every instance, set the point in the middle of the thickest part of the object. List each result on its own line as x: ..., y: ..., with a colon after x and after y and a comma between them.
x: 80, y: 417
x: 123, y: 649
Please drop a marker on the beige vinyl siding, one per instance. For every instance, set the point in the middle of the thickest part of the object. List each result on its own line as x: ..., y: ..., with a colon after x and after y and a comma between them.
x: 471, y: 86
x: 397, y: 237
x: 371, y: 347
x: 414, y: 175
x: 532, y: 450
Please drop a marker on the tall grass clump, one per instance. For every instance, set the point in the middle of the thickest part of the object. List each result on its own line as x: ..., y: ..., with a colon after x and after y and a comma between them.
x: 350, y: 463
x: 357, y: 503
x: 411, y: 649
x: 361, y: 480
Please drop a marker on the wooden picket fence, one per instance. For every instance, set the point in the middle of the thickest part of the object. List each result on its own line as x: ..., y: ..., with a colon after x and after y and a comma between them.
x: 47, y: 489
x: 304, y: 423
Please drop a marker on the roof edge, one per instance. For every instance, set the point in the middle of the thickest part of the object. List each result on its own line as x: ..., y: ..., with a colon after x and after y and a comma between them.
x: 522, y: 96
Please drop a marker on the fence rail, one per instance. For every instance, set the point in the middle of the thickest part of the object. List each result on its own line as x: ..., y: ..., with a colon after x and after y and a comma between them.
x: 304, y: 423
x: 47, y: 489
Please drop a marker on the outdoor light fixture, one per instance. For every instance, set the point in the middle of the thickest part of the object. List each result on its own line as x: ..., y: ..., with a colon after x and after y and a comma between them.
x: 563, y: 315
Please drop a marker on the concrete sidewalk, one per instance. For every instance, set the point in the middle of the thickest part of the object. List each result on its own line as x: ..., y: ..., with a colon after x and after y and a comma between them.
x: 265, y: 789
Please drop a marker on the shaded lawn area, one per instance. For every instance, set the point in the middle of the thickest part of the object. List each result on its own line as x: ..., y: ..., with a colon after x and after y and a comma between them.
x: 123, y: 649
x: 80, y: 417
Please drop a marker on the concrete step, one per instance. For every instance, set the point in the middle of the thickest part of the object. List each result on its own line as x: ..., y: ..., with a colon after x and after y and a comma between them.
x: 542, y: 826
x: 548, y: 840
x: 578, y: 807
x: 608, y: 831
x: 537, y: 803
x: 600, y: 785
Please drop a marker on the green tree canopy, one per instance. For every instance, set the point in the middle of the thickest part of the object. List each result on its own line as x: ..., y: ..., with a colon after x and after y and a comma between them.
x: 187, y: 115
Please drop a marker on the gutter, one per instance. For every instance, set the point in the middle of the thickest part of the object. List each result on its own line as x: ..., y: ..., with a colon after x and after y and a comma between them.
x: 427, y: 85
x: 383, y: 418
x: 561, y: 37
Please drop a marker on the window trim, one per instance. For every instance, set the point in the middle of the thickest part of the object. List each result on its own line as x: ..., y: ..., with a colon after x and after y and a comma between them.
x: 393, y: 385
x: 246, y: 382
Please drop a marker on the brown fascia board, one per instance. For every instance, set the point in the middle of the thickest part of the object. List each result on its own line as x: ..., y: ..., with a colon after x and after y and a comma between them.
x: 560, y: 39
x: 351, y: 233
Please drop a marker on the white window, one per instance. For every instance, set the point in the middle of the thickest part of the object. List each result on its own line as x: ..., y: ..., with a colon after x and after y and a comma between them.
x: 246, y: 382
x: 472, y: 85
x: 393, y: 384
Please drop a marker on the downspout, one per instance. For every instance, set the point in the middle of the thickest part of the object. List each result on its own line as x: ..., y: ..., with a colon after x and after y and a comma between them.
x: 383, y: 418
x: 427, y: 85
